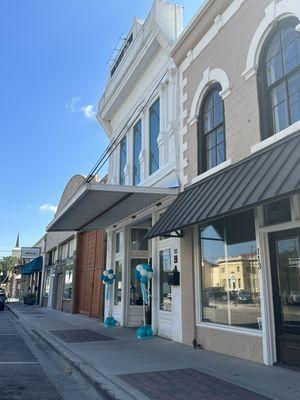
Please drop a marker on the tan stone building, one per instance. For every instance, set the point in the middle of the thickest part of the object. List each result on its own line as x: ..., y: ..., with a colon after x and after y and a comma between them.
x: 238, y: 212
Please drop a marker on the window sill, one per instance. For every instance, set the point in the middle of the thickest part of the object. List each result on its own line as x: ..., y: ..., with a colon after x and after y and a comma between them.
x: 232, y: 329
x: 158, y: 175
x: 276, y: 137
x: 212, y: 171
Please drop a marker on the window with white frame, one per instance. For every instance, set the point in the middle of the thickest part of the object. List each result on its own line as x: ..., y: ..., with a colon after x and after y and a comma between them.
x: 154, y: 129
x: 123, y: 160
x: 229, y: 272
x: 211, y: 136
x: 118, y: 266
x: 137, y: 146
x: 279, y: 78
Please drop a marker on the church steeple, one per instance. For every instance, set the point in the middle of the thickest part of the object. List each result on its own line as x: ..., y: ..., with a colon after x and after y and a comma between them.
x: 17, y: 246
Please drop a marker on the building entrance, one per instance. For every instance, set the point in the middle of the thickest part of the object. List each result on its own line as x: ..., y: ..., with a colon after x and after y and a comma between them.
x: 285, y: 265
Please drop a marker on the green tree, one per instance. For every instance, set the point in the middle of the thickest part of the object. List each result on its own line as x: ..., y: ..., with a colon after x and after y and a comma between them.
x: 6, y: 263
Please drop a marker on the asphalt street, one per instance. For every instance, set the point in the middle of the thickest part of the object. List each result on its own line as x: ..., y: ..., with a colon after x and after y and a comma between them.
x: 29, y: 370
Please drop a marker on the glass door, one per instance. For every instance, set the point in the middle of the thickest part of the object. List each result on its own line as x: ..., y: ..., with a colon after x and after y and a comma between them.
x: 285, y: 264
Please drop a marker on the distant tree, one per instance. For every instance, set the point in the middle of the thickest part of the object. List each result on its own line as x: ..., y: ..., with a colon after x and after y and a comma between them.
x: 6, y: 263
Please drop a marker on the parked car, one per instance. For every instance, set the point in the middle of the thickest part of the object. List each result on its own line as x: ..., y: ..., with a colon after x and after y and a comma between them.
x: 295, y: 298
x: 2, y: 301
x: 244, y: 297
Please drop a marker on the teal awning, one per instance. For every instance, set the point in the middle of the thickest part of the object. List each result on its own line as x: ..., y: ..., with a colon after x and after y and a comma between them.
x: 33, y: 266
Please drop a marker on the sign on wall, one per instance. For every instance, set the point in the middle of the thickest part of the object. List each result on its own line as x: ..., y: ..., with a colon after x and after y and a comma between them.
x: 30, y: 252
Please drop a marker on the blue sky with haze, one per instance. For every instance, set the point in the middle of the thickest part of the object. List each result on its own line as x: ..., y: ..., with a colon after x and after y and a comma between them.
x: 53, y: 69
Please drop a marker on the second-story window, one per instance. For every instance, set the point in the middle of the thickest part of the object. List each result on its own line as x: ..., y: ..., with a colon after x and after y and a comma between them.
x: 279, y: 78
x: 137, y: 146
x: 123, y: 157
x: 211, y: 130
x: 153, y: 135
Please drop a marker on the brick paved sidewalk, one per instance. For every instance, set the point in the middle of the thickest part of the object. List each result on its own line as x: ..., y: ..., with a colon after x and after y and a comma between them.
x: 156, y: 369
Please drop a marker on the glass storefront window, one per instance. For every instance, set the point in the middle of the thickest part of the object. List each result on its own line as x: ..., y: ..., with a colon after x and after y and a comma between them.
x: 123, y: 160
x: 277, y: 212
x: 118, y: 243
x: 118, y: 283
x: 165, y: 267
x: 47, y: 282
x: 137, y: 239
x: 135, y: 286
x: 229, y: 272
x: 137, y: 146
x: 68, y: 283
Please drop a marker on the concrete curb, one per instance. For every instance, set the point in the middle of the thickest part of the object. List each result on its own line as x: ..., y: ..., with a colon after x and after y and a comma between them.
x: 106, y: 387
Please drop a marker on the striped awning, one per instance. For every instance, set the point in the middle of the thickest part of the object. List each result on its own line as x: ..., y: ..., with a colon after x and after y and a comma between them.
x: 267, y: 175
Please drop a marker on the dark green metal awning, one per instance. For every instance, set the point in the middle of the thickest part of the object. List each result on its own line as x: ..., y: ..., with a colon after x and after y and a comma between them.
x: 269, y: 174
x: 33, y: 266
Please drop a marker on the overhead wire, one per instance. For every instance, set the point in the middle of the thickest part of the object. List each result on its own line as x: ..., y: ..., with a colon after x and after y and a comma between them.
x: 117, y: 140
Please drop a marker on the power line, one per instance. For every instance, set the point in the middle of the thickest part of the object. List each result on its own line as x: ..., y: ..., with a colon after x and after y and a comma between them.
x: 115, y: 143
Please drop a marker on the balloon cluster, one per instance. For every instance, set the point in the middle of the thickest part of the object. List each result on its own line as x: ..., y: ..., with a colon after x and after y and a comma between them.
x: 143, y: 272
x: 108, y: 277
x: 144, y: 331
x: 110, y: 322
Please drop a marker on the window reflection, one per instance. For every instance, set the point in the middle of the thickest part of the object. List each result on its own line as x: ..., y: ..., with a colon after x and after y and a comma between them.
x: 136, y: 298
x: 229, y: 271
x: 137, y: 146
x: 165, y: 287
x: 138, y: 241
x: 282, y: 64
x: 154, y: 129
x: 123, y: 158
x: 288, y: 262
x: 68, y: 283
x: 118, y: 283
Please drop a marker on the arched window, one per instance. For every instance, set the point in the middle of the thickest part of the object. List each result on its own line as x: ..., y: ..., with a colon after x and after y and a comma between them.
x: 279, y: 78
x: 211, y: 141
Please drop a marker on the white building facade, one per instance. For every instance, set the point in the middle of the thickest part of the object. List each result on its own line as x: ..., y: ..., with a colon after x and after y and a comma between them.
x: 139, y: 113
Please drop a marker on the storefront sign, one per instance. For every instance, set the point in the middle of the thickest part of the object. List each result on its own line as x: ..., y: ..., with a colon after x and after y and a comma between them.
x: 30, y: 252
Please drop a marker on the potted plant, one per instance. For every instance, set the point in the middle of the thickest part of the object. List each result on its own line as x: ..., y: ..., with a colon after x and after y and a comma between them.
x: 29, y: 299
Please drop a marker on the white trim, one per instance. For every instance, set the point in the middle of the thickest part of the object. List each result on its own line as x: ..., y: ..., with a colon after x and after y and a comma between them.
x: 230, y: 328
x: 158, y: 175
x: 276, y: 137
x: 212, y: 171
x: 280, y: 227
x: 209, y: 76
x: 220, y: 21
x: 197, y: 275
x: 275, y: 11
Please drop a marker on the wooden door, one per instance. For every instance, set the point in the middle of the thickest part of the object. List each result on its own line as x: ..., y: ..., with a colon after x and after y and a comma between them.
x: 90, y: 263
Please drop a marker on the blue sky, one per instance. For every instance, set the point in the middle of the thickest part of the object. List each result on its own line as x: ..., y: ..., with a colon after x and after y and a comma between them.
x: 53, y: 69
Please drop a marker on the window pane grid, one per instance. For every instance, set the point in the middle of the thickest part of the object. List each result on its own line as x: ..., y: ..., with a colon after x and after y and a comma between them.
x: 137, y: 146
x: 123, y: 156
x: 154, y: 132
x: 283, y: 75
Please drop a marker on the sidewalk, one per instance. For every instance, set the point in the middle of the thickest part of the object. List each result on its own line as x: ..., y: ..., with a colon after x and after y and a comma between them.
x: 124, y: 367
